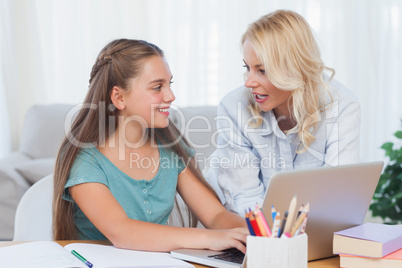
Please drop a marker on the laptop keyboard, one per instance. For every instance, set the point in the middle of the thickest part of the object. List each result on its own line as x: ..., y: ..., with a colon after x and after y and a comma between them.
x: 231, y: 255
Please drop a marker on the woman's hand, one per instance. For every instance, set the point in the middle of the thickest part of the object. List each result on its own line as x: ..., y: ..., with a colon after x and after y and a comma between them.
x: 231, y: 238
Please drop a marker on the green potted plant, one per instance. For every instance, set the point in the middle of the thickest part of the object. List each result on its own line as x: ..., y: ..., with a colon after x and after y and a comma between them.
x: 387, y: 199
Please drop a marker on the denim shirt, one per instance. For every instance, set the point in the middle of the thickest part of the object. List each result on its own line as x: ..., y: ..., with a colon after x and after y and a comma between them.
x: 246, y: 157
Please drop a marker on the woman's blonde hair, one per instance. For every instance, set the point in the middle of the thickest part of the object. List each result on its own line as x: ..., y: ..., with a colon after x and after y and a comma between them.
x: 285, y: 44
x: 118, y: 62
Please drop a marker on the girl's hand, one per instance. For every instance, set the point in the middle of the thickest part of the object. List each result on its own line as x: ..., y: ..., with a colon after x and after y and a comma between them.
x: 231, y: 238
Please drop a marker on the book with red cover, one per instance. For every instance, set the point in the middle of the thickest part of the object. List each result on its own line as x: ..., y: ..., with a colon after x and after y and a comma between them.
x: 369, y: 239
x: 393, y: 260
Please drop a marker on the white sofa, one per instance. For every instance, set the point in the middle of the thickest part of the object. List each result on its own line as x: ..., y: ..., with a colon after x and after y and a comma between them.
x: 43, y: 131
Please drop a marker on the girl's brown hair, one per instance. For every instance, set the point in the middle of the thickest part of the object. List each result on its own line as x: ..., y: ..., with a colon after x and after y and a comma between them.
x: 118, y: 62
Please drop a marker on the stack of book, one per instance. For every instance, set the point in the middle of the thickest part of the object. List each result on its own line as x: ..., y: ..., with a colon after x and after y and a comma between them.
x: 369, y: 245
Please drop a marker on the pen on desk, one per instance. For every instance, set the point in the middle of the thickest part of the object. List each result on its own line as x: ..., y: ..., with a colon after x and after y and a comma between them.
x: 291, y: 215
x: 75, y: 253
x: 285, y: 217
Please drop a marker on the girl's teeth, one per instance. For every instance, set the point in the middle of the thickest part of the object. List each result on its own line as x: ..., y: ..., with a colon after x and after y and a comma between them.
x: 163, y: 110
x: 261, y: 96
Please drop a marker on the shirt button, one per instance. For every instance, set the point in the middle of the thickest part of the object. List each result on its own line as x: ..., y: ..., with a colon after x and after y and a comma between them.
x: 149, y: 211
x: 80, y: 180
x: 146, y: 202
x: 145, y: 191
x: 227, y: 192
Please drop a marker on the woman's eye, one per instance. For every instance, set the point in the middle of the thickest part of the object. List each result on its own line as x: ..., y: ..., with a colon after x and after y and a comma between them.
x: 248, y: 68
x: 158, y: 88
x: 262, y: 71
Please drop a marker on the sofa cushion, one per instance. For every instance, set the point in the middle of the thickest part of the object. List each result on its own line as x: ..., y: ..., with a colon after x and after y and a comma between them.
x: 43, y: 130
x: 198, y: 124
x: 36, y: 169
x: 8, y: 173
x: 12, y: 187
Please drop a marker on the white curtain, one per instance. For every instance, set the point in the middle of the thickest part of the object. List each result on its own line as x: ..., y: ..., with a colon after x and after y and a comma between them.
x: 5, y: 131
x: 51, y: 46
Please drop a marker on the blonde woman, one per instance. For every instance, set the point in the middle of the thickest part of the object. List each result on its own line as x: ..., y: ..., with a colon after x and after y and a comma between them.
x: 101, y: 189
x: 288, y: 115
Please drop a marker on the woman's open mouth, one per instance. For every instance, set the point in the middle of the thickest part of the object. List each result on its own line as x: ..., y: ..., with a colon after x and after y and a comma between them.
x: 260, y: 98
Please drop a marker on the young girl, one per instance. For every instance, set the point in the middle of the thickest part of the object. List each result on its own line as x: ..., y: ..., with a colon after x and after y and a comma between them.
x: 118, y: 169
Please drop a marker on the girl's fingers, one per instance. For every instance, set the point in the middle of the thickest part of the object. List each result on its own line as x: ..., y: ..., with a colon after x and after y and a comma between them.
x: 240, y: 246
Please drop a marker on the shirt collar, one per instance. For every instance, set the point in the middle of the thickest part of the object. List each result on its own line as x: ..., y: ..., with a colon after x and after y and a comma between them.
x: 270, y: 125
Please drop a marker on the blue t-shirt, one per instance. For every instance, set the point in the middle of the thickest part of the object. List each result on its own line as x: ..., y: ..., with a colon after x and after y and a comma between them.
x: 145, y: 200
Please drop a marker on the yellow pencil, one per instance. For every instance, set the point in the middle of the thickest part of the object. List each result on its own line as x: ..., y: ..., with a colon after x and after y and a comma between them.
x: 298, y: 222
x: 292, y: 208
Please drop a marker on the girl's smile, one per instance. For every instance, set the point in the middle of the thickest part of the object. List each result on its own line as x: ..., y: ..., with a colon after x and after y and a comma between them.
x: 164, y: 111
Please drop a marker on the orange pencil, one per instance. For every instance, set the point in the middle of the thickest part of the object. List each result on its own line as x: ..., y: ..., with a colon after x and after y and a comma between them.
x: 258, y: 219
x: 263, y: 220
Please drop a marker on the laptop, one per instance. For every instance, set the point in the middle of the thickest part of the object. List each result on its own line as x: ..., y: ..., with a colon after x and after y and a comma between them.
x: 339, y: 198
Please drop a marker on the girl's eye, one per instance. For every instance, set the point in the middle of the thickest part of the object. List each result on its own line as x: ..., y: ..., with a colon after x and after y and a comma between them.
x: 262, y: 71
x: 158, y: 88
x: 248, y: 68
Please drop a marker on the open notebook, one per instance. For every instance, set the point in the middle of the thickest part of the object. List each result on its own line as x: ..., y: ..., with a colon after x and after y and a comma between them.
x: 48, y: 254
x: 339, y: 198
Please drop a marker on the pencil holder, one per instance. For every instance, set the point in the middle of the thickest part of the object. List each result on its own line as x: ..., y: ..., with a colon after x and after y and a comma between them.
x: 277, y: 252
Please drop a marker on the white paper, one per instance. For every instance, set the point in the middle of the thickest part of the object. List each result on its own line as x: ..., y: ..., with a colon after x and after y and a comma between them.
x: 41, y: 254
x: 49, y: 254
x: 109, y: 256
